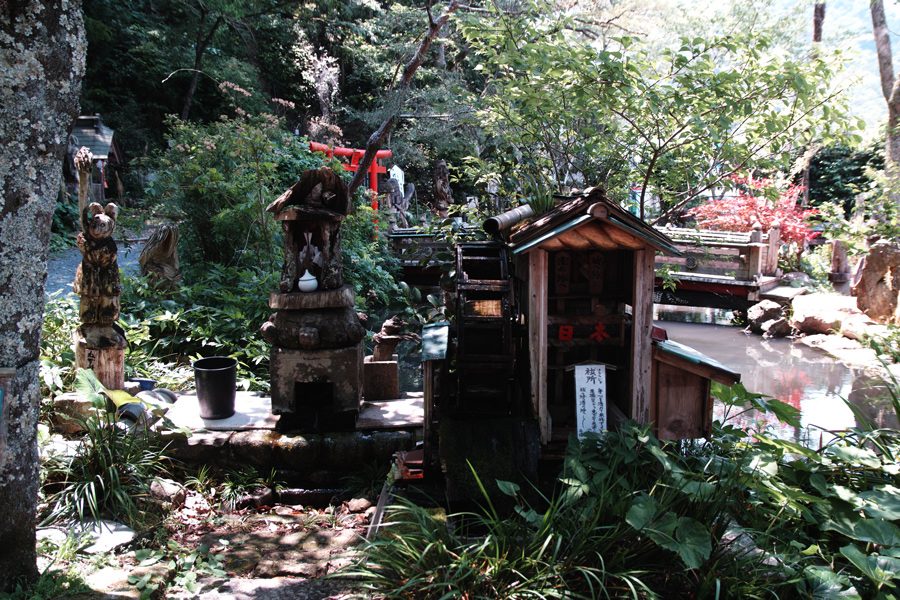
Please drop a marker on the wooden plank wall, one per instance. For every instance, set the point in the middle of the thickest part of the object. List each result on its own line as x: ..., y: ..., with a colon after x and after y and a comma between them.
x: 723, y: 254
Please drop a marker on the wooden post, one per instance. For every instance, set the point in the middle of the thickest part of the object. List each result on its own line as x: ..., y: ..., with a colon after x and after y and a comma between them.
x: 428, y: 401
x: 84, y: 162
x: 538, y: 267
x: 770, y: 266
x: 642, y: 324
x: 754, y: 249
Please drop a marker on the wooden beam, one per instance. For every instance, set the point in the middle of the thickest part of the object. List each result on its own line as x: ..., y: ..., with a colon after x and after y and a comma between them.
x: 774, y: 243
x: 428, y: 401
x: 642, y: 324
x: 538, y: 272
x: 706, y: 371
x: 623, y: 238
x: 596, y: 232
x: 553, y: 245
x: 574, y: 240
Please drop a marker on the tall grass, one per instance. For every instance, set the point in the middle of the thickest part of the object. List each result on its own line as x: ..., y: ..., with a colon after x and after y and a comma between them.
x: 108, y: 475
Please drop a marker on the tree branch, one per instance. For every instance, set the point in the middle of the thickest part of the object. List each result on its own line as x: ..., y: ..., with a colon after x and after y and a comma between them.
x: 376, y: 140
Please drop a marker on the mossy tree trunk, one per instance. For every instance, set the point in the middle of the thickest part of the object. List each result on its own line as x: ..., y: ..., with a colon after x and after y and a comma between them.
x: 42, y: 49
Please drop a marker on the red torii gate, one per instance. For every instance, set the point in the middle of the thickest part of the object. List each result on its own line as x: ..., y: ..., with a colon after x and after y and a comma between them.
x: 354, y: 154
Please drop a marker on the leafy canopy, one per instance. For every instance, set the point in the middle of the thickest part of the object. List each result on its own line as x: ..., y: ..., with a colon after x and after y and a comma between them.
x: 671, y: 124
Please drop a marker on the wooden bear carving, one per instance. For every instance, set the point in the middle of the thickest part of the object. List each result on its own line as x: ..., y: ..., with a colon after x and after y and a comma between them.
x: 97, y: 278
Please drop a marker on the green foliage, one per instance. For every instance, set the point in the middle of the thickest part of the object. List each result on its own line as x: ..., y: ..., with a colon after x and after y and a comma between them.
x: 367, y: 480
x: 216, y: 181
x: 369, y: 264
x: 141, y: 59
x: 673, y: 123
x: 240, y: 482
x: 57, y: 356
x: 838, y: 173
x: 218, y: 312
x: 739, y: 516
x: 110, y: 471
x: 65, y: 224
x: 875, y: 215
x: 185, y: 567
x: 631, y: 518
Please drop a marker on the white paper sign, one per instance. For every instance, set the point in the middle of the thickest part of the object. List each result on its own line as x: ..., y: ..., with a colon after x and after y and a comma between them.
x: 396, y: 172
x: 590, y: 398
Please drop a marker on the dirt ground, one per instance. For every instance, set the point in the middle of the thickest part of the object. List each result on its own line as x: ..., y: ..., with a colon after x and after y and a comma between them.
x: 266, y: 553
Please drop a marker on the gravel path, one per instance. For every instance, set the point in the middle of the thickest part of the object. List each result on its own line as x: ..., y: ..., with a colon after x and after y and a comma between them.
x: 62, y: 266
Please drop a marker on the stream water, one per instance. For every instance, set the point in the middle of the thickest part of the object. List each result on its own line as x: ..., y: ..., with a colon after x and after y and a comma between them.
x: 807, y: 379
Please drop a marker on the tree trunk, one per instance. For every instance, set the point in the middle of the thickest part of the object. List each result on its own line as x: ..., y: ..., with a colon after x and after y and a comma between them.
x: 199, y: 50
x: 43, y: 51
x: 889, y: 87
x: 818, y: 22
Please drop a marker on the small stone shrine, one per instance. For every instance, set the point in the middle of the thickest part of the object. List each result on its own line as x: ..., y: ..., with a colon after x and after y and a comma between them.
x: 316, y: 336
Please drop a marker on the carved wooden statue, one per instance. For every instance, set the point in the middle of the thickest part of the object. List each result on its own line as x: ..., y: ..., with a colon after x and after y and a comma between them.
x: 390, y: 336
x: 311, y: 212
x: 443, y: 198
x: 398, y: 202
x: 100, y: 343
x: 159, y: 258
x: 84, y: 162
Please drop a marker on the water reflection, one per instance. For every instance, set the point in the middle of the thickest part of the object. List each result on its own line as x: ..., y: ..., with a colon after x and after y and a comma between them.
x: 807, y: 379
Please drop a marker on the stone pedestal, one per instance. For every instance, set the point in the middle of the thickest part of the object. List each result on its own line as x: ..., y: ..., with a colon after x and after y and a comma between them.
x: 317, y: 385
x: 381, y: 379
x: 316, y: 336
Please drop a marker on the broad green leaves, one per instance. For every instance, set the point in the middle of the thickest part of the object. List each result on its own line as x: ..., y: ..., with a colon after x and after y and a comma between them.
x: 686, y: 536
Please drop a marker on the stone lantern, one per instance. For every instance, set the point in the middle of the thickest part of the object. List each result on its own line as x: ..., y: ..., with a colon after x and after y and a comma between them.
x: 316, y: 336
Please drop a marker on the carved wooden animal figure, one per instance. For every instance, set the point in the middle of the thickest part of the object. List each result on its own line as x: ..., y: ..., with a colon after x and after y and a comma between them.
x: 317, y: 187
x: 97, y: 278
x: 159, y: 258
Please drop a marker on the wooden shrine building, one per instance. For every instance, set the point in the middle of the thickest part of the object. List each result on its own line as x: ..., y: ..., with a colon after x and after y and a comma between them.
x: 588, y: 272
x: 553, y: 335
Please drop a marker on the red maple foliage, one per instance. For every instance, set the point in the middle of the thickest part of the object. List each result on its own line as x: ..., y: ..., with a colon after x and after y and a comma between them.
x: 739, y: 212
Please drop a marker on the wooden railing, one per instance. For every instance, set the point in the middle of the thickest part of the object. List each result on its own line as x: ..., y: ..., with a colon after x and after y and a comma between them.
x: 723, y: 254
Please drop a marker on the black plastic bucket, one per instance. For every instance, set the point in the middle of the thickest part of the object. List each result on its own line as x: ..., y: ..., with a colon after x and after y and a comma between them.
x: 216, y: 379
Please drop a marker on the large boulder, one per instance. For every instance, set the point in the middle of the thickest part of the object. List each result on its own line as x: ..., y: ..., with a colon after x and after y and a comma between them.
x: 879, y: 282
x: 762, y: 316
x: 821, y: 313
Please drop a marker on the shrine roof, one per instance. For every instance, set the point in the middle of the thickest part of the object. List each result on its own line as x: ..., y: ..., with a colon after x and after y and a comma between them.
x: 586, y: 221
x: 90, y: 131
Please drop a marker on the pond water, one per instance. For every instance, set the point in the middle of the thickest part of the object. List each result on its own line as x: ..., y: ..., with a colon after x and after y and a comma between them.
x: 807, y: 379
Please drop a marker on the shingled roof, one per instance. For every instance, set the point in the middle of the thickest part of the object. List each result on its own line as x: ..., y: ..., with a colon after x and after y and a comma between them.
x: 588, y: 220
x: 91, y: 132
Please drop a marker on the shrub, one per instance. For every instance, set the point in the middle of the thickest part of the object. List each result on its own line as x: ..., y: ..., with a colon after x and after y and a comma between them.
x: 217, y: 179
x: 751, y: 204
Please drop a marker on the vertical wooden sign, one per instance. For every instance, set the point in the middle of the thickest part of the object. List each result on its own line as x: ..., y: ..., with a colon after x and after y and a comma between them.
x: 562, y: 267
x: 590, y: 398
x: 5, y: 376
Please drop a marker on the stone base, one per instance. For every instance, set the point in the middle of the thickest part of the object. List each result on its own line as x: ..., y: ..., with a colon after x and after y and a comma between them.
x: 381, y: 380
x: 316, y: 385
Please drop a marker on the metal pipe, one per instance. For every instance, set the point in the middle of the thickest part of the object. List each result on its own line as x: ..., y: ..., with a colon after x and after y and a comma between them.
x: 498, y: 223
